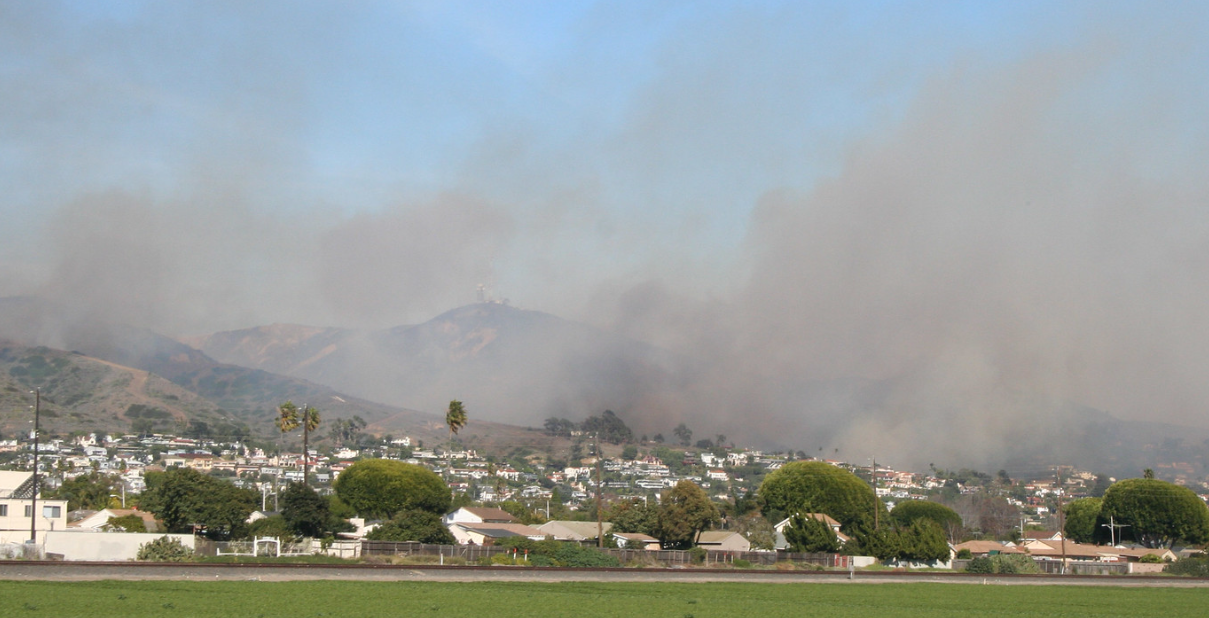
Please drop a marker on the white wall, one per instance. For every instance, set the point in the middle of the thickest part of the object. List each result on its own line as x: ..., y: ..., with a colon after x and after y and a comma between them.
x: 120, y: 546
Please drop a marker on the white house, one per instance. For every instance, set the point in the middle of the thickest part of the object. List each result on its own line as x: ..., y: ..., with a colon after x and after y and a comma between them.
x: 16, y: 509
x: 780, y: 527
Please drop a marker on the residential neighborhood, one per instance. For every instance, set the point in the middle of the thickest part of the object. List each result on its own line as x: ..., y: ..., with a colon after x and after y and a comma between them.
x: 532, y: 496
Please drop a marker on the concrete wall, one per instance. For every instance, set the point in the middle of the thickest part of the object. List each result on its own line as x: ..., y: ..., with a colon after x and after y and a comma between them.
x: 103, y: 545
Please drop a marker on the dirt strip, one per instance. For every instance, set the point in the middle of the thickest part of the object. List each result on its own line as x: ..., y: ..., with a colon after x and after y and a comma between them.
x: 129, y: 571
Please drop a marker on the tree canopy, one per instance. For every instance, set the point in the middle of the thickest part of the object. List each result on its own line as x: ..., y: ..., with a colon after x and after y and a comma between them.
x: 811, y: 535
x: 684, y: 511
x: 609, y: 427
x: 418, y: 526
x: 305, y: 511
x: 818, y: 487
x: 634, y: 515
x: 383, y: 487
x: 1157, y: 513
x: 907, y: 512
x: 455, y: 417
x: 183, y: 497
x: 1081, y: 520
x: 88, y: 491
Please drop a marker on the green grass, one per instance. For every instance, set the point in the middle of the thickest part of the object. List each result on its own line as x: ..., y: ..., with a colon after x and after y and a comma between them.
x: 585, y: 600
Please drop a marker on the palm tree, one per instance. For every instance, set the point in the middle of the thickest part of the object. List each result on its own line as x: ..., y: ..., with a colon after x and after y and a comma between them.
x: 310, y: 422
x: 287, y: 417
x: 287, y: 421
x: 455, y: 417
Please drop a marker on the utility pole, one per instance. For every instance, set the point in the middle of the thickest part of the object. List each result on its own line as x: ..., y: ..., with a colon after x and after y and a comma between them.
x: 33, y: 507
x: 873, y: 477
x: 599, y: 514
x: 1061, y: 520
x: 1112, y: 529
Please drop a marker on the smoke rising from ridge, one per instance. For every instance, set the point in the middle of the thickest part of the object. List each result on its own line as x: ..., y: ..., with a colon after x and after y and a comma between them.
x: 881, y: 241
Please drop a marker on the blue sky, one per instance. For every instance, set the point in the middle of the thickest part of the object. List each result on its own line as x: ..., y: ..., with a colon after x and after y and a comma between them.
x: 850, y: 187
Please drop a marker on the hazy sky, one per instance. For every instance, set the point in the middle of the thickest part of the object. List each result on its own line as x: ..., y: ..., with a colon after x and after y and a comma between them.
x: 1007, y: 195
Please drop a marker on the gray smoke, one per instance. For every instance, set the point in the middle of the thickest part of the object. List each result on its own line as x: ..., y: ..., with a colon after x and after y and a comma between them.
x: 893, y: 243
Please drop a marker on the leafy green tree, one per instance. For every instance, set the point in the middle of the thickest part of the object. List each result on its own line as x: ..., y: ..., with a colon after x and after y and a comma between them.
x: 305, y: 511
x: 757, y: 530
x: 1081, y: 520
x: 417, y: 526
x: 634, y: 515
x: 684, y: 512
x: 907, y: 512
x: 1158, y: 513
x: 811, y: 535
x: 818, y: 487
x: 383, y: 487
x: 345, y: 430
x: 560, y: 427
x: 924, y: 540
x: 183, y: 498
x: 88, y: 491
x: 630, y: 452
x: 127, y: 523
x: 683, y: 434
x: 884, y: 543
x: 275, y: 526
x: 609, y: 427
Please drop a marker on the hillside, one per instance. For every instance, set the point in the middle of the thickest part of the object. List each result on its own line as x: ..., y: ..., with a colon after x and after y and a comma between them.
x: 80, y: 393
x: 517, y: 366
x: 113, y: 366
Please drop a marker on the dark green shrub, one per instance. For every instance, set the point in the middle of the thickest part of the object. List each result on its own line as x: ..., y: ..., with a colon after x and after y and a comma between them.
x: 1003, y: 563
x: 164, y: 549
x: 964, y: 554
x: 1015, y: 563
x: 572, y: 555
x: 981, y: 564
x: 697, y: 554
x: 1193, y: 566
x: 1150, y: 559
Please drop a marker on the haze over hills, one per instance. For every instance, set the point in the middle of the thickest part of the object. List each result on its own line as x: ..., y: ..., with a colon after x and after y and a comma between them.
x: 523, y: 366
x: 517, y: 366
x: 85, y: 366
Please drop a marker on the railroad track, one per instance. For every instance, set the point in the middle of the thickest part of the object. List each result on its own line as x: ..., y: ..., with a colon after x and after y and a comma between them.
x: 81, y: 571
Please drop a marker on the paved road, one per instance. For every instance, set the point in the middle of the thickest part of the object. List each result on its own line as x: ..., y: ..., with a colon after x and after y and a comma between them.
x: 78, y: 571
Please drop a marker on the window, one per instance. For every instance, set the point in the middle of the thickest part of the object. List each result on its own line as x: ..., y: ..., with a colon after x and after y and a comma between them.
x: 29, y: 510
x: 52, y: 512
x: 3, y: 510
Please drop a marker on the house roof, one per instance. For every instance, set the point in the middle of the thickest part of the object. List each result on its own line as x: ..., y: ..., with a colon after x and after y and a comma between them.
x: 499, y: 531
x: 823, y: 516
x: 12, y: 481
x: 636, y: 536
x: 1042, y: 535
x: 581, y: 529
x: 715, y: 536
x: 490, y: 514
x: 986, y: 547
x: 100, y: 518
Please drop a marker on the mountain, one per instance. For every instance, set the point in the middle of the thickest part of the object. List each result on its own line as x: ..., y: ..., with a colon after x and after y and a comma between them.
x: 512, y: 365
x: 92, y: 370
x: 80, y: 393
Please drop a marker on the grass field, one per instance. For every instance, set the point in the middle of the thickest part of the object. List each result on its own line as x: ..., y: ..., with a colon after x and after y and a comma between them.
x: 585, y: 600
